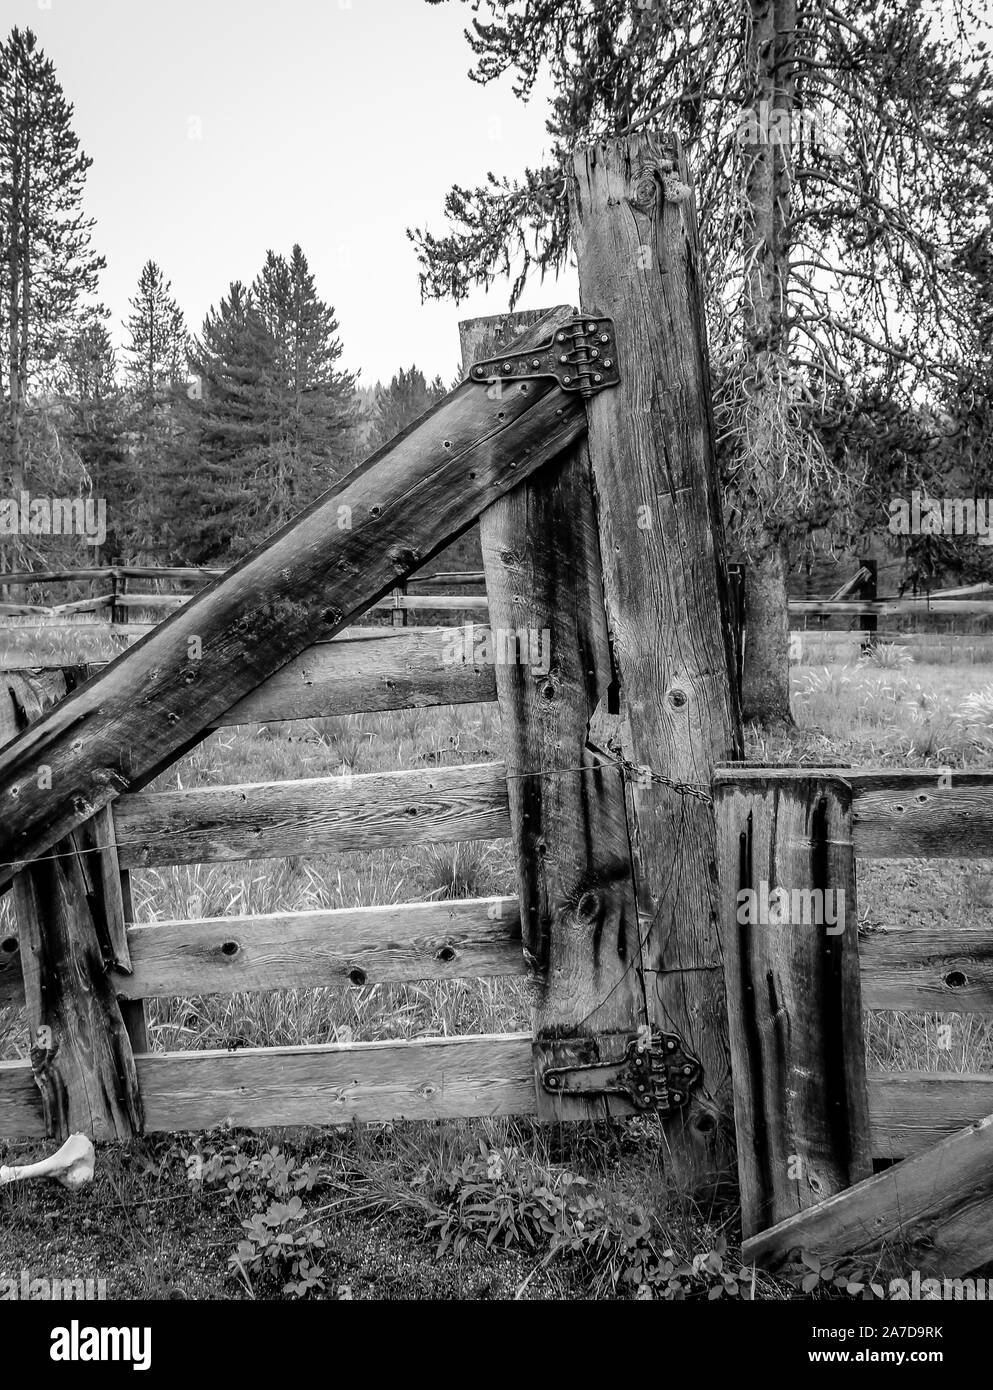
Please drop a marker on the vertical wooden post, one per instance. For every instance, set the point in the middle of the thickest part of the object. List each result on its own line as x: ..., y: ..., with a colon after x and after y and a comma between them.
x: 71, y: 928
x: 868, y: 589
x: 110, y: 888
x: 399, y: 614
x: 787, y: 875
x: 548, y: 637
x: 665, y: 578
x: 116, y: 582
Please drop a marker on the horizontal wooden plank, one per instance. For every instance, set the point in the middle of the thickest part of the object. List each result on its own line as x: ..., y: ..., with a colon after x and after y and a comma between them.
x: 424, y: 1079
x: 359, y: 946
x: 72, y: 576
x: 152, y: 600
x: 373, y: 669
x: 920, y: 967
x: 935, y: 1208
x: 313, y: 816
x: 920, y: 817
x: 438, y: 601
x: 911, y: 1110
x: 883, y: 607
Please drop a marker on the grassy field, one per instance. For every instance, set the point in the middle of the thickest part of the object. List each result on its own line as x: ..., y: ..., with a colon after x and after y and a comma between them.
x: 573, y: 1210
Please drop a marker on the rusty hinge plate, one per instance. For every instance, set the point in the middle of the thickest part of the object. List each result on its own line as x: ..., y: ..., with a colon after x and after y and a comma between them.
x: 581, y: 356
x: 658, y: 1076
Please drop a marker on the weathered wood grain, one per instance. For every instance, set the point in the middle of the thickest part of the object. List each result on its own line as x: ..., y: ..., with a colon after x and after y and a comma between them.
x: 373, y: 669
x: 912, y: 1110
x: 932, y: 1213
x: 913, y: 967
x: 108, y: 888
x: 579, y: 907
x: 359, y: 946
x: 11, y: 977
x: 316, y: 815
x: 668, y: 609
x: 254, y: 1088
x: 81, y: 1053
x: 926, y: 818
x: 909, y: 1111
x: 309, y: 581
x: 794, y: 998
x: 21, y: 1114
x: 363, y: 670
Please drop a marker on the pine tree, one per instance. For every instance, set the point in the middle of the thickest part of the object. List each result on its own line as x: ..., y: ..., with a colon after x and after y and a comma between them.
x: 85, y: 377
x: 45, y: 247
x: 159, y: 343
x: 402, y: 402
x: 316, y: 410
x: 224, y: 472
x: 843, y: 154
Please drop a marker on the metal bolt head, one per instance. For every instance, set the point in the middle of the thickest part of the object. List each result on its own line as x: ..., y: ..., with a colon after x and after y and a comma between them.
x: 591, y: 328
x: 506, y: 366
x: 535, y: 361
x: 551, y: 1080
x: 608, y: 361
x: 687, y: 1070
x: 676, y: 1097
x: 561, y: 337
x: 566, y: 380
x: 605, y: 337
x: 597, y: 377
x: 480, y: 371
x: 594, y: 352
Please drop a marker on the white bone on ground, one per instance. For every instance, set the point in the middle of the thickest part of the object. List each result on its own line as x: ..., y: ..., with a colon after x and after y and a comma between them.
x: 72, y: 1165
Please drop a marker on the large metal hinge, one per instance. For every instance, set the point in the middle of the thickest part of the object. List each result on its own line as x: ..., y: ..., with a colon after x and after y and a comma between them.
x: 581, y: 356
x: 657, y: 1076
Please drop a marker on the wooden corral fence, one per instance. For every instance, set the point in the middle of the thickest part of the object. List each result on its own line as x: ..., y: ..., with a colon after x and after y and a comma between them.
x: 463, y: 591
x: 583, y: 445
x: 811, y: 1124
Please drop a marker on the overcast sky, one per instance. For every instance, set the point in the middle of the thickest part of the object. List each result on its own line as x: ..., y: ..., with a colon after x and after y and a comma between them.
x: 221, y: 128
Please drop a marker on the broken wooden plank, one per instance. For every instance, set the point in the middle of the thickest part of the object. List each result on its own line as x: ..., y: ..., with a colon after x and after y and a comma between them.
x: 932, y: 1213
x: 317, y: 815
x: 295, y: 950
x: 309, y: 581
x: 787, y: 878
x: 578, y: 903
x: 658, y: 509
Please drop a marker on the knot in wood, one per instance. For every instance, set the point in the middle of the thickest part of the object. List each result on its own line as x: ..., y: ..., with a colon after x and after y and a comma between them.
x: 589, y: 908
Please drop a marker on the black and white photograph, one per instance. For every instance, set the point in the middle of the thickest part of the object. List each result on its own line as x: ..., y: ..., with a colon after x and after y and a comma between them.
x: 496, y: 674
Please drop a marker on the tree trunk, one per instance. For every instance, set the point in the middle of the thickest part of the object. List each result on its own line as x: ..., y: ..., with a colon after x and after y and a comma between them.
x: 767, y: 208
x: 766, y: 674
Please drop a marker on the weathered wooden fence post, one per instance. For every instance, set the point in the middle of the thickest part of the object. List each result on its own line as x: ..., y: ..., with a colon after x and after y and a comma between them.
x: 665, y: 578
x: 548, y: 638
x: 70, y: 914
x: 787, y: 874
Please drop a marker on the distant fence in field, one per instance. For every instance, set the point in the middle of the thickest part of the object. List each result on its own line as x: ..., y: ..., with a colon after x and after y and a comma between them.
x: 106, y: 621
x: 920, y: 620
